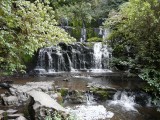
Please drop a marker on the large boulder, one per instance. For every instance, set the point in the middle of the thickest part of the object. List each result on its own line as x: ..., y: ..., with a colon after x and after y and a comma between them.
x: 45, y: 100
x: 42, y: 105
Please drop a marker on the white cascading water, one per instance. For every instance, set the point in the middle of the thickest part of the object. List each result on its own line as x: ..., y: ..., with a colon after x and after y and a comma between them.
x: 60, y: 61
x: 41, y: 60
x: 90, y: 99
x: 105, y: 33
x: 98, y: 55
x: 125, y: 101
x: 70, y: 64
x: 101, y: 56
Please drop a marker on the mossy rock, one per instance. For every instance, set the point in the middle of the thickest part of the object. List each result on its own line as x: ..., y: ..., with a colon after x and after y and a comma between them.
x: 102, y: 94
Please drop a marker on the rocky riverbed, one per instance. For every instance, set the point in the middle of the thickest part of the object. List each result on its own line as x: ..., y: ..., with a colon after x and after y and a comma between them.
x: 74, y: 98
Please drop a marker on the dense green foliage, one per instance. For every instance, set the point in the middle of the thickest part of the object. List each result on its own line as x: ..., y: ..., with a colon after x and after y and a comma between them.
x: 25, y: 27
x: 86, y: 12
x: 83, y: 13
x: 135, y: 39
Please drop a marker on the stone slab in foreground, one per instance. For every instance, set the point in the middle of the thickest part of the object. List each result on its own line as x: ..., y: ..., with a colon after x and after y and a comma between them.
x: 45, y: 100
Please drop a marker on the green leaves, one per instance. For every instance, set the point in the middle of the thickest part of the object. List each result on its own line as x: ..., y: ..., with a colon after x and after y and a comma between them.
x: 78, y: 12
x: 25, y: 28
x: 153, y: 79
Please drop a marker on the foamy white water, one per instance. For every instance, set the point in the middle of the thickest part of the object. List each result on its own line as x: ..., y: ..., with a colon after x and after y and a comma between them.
x: 98, y: 112
x: 125, y: 101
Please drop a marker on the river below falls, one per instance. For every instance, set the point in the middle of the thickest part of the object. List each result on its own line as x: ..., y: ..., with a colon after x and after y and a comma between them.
x: 124, y: 109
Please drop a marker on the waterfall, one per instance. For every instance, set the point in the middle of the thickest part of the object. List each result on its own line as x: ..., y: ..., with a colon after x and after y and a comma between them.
x: 105, y: 33
x: 73, y: 57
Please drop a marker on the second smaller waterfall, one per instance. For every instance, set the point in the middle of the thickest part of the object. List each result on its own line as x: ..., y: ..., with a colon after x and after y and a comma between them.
x: 83, y: 35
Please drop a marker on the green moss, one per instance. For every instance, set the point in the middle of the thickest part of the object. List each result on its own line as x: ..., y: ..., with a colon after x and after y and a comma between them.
x: 95, y: 39
x: 102, y: 94
x: 63, y: 92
